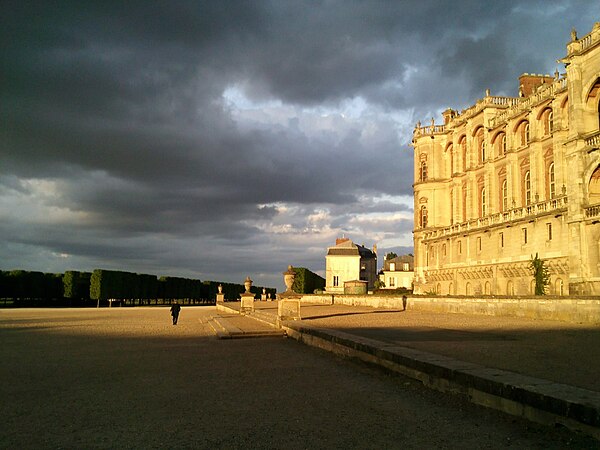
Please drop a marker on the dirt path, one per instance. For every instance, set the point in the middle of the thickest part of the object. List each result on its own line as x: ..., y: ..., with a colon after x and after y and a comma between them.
x: 127, y: 378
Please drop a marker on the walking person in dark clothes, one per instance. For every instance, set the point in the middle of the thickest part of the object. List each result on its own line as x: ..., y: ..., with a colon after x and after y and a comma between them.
x: 175, y: 308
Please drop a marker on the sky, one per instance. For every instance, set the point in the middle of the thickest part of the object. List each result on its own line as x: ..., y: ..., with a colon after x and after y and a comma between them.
x: 224, y: 139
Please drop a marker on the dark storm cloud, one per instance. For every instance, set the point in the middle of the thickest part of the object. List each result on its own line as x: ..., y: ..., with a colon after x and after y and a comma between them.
x: 117, y: 143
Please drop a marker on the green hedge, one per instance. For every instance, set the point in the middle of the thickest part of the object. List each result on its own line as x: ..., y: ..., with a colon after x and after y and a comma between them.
x: 306, y: 282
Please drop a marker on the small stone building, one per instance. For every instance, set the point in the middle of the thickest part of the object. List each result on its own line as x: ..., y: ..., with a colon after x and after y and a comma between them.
x: 347, y: 261
x: 398, y: 272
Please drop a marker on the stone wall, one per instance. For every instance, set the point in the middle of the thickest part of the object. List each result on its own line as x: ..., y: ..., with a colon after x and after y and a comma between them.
x: 572, y: 309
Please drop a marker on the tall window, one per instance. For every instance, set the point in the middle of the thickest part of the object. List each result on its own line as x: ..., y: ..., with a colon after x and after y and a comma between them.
x: 551, y: 181
x: 550, y: 122
x: 423, y: 170
x: 505, y: 195
x: 503, y: 144
x: 526, y: 134
x: 483, y: 203
x: 463, y: 151
x: 481, y: 145
x: 392, y: 267
x: 423, y: 217
x: 336, y: 280
x: 527, y: 186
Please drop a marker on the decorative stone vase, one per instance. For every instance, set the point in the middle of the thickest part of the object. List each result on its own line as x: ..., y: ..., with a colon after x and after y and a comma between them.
x: 288, y: 278
x: 220, y: 289
x: 248, y: 284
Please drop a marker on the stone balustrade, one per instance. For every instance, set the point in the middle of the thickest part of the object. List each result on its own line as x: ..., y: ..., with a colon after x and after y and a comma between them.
x: 501, y: 217
x: 544, y: 92
x: 592, y: 211
x: 594, y: 140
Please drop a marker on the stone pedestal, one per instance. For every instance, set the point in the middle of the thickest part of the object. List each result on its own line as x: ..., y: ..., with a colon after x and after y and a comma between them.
x: 288, y: 303
x: 288, y: 308
x: 220, y: 297
x: 247, y: 304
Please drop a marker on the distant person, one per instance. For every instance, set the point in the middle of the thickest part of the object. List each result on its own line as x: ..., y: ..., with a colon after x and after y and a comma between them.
x: 175, y: 308
x: 404, y: 300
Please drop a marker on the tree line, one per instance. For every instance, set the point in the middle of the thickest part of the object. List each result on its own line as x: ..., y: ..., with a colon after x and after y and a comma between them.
x: 73, y: 288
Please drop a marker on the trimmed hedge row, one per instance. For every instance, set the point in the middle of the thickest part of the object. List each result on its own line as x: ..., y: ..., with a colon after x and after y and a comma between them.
x: 307, y: 282
x: 79, y: 287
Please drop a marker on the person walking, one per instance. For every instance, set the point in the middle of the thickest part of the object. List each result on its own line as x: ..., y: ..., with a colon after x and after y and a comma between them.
x: 175, y: 309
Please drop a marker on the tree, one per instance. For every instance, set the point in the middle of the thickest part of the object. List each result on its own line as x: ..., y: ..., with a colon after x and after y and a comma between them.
x: 390, y: 255
x: 541, y: 275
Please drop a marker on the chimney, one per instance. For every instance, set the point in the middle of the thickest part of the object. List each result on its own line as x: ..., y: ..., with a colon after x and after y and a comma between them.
x: 529, y: 82
x: 448, y: 114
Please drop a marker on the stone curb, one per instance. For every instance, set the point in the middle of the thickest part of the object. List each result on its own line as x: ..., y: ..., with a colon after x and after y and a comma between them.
x: 538, y: 400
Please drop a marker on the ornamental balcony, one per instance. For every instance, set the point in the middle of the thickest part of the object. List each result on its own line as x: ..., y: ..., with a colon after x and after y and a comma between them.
x: 555, y: 205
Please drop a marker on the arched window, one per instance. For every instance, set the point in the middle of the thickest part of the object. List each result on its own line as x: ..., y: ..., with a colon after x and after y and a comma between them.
x: 463, y: 152
x: 423, y: 217
x: 525, y: 140
x: 503, y: 144
x: 488, y: 288
x: 551, y: 181
x: 550, y: 122
x: 468, y: 289
x: 505, y: 195
x: 483, y: 203
x: 527, y: 188
x: 423, y: 174
x: 480, y: 141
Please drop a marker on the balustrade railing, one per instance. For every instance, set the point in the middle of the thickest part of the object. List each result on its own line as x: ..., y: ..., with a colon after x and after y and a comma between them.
x: 593, y: 140
x: 592, y: 211
x: 504, y: 217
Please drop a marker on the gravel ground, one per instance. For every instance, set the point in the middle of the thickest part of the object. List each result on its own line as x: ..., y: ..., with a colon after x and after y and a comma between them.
x: 127, y: 378
x: 564, y: 352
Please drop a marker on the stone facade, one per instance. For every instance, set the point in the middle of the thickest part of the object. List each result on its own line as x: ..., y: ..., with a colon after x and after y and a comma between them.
x: 510, y: 177
x: 347, y: 261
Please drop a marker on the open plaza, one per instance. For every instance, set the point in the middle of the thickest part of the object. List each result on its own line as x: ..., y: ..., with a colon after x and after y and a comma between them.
x: 128, y: 378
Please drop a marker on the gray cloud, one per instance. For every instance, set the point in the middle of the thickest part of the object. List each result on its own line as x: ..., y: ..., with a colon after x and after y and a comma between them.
x: 120, y: 149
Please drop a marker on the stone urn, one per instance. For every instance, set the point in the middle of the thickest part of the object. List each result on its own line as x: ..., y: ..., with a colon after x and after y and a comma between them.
x: 247, y: 284
x: 220, y: 289
x: 288, y: 278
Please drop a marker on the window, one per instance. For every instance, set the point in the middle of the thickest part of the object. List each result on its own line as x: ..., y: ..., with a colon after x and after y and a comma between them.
x: 405, y: 267
x: 551, y: 181
x: 510, y: 290
x: 392, y: 281
x: 560, y: 287
x: 501, y: 240
x: 423, y: 170
x: 423, y: 217
x: 443, y: 249
x: 463, y: 150
x: 526, y: 134
x: 550, y: 122
x: 505, y: 195
x: 460, y: 247
x: 483, y: 203
x: 481, y: 144
x: 503, y: 144
x: 527, y: 186
x: 549, y: 230
x: 392, y: 267
x: 336, y: 281
x: 479, y: 244
x: 524, y: 230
